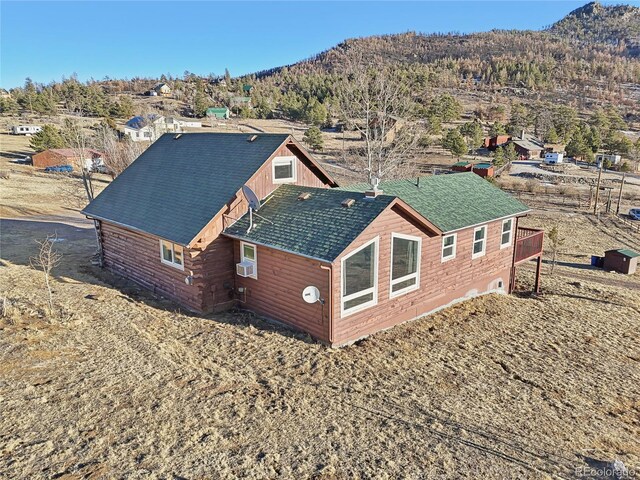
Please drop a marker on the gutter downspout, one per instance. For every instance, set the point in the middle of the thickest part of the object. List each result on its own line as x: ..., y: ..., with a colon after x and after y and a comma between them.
x: 330, y: 307
x: 512, y: 280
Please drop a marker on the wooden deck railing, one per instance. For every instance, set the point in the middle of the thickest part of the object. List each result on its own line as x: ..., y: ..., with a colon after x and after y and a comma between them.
x: 528, y: 244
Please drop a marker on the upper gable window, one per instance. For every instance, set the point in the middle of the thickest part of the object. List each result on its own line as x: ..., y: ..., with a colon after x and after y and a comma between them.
x: 507, y: 233
x: 479, y: 241
x: 284, y: 169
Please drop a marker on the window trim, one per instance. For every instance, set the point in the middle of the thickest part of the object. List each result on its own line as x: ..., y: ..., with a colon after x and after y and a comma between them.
x: 279, y: 161
x: 502, y: 232
x: 254, y: 260
x: 343, y: 299
x: 455, y: 247
x: 173, y: 263
x: 484, y: 242
x: 392, y: 282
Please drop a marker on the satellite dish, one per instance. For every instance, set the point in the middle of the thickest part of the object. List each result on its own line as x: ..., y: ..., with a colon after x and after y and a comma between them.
x: 311, y: 294
x: 252, y: 198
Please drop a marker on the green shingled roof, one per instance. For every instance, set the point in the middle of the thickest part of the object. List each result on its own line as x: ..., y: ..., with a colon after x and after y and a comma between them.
x: 627, y: 253
x: 319, y: 227
x: 182, y: 181
x: 453, y: 201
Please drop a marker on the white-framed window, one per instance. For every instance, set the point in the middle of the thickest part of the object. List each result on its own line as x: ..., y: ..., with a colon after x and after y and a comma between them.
x: 249, y: 253
x: 449, y: 246
x: 172, y: 254
x: 359, y: 285
x: 507, y: 233
x: 284, y: 169
x: 479, y: 242
x: 405, y: 264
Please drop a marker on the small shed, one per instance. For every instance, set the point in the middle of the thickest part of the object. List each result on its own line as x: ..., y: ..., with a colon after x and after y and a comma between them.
x: 621, y: 260
x: 483, y: 169
x: 218, y: 112
x: 461, y: 167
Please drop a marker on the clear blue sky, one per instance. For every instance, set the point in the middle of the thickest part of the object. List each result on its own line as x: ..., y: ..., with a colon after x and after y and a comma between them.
x: 46, y: 40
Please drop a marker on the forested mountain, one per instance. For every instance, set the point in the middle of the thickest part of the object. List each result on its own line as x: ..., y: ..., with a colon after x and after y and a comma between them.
x: 617, y: 25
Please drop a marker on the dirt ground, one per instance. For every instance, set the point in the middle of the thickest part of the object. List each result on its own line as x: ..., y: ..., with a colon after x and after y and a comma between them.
x: 117, y: 383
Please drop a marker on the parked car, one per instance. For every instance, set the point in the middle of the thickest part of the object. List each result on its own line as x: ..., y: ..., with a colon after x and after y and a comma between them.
x: 59, y: 169
x: 634, y: 213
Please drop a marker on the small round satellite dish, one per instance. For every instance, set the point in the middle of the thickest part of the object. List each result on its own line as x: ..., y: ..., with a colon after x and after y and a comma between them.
x: 252, y: 198
x: 311, y: 294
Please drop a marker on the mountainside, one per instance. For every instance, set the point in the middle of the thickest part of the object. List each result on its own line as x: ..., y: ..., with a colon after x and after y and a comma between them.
x: 617, y: 25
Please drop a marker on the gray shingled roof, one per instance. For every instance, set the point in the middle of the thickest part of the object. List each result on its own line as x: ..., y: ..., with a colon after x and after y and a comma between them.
x: 178, y: 185
x: 319, y: 227
x: 453, y: 201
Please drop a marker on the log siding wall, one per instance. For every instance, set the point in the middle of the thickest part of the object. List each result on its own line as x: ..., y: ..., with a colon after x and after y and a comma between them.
x: 210, y: 260
x: 277, y: 292
x: 440, y: 283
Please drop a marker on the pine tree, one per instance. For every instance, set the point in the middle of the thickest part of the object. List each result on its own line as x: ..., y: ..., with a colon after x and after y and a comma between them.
x: 48, y: 137
x: 454, y: 142
x: 499, y: 157
x: 313, y: 138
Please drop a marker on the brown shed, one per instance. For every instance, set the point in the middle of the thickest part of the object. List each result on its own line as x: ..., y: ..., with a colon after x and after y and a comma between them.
x: 62, y: 156
x: 621, y: 260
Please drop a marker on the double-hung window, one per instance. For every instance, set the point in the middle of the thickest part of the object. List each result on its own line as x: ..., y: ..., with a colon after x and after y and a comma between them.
x: 248, y: 254
x: 449, y: 247
x: 405, y: 263
x: 479, y: 242
x: 359, y: 288
x: 284, y: 169
x: 507, y: 233
x: 171, y: 254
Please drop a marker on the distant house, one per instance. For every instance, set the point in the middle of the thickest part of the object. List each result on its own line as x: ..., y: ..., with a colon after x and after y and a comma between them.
x: 528, y: 146
x: 218, y: 112
x: 56, y: 157
x: 240, y: 101
x: 392, y: 126
x: 461, y: 167
x: 25, y: 129
x: 246, y: 89
x: 148, y: 128
x: 162, y: 89
x: 337, y: 263
x: 552, y: 158
x: 602, y: 157
x: 491, y: 143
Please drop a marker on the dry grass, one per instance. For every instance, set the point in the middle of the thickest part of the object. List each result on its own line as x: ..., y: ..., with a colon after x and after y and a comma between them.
x: 120, y: 384
x: 123, y: 385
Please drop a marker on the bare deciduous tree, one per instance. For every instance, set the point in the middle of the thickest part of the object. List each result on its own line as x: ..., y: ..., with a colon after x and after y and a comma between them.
x: 378, y: 105
x: 118, y: 155
x: 556, y: 242
x: 46, y: 260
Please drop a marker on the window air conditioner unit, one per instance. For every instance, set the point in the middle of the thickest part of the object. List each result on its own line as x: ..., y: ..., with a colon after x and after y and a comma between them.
x: 245, y: 269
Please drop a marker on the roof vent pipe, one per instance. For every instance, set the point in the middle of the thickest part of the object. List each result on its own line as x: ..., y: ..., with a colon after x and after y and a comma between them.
x: 252, y: 138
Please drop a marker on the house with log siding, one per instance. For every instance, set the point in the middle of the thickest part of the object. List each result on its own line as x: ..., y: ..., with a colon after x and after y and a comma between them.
x: 177, y: 222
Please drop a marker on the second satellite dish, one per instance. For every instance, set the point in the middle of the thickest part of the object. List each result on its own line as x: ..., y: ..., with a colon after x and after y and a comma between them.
x: 252, y: 198
x: 311, y: 294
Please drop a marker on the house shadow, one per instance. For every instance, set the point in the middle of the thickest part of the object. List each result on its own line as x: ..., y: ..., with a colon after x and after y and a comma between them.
x: 581, y: 266
x: 75, y: 239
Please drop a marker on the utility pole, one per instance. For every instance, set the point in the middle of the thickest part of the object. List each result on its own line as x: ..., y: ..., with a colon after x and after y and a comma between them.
x: 595, y: 207
x: 620, y: 194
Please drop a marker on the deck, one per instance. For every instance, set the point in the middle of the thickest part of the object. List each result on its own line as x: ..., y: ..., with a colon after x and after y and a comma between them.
x: 528, y: 245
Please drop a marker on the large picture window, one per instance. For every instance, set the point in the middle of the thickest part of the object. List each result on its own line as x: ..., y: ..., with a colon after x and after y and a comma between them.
x: 479, y: 241
x: 507, y: 233
x: 284, y: 169
x: 171, y: 254
x: 360, y: 278
x: 405, y: 263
